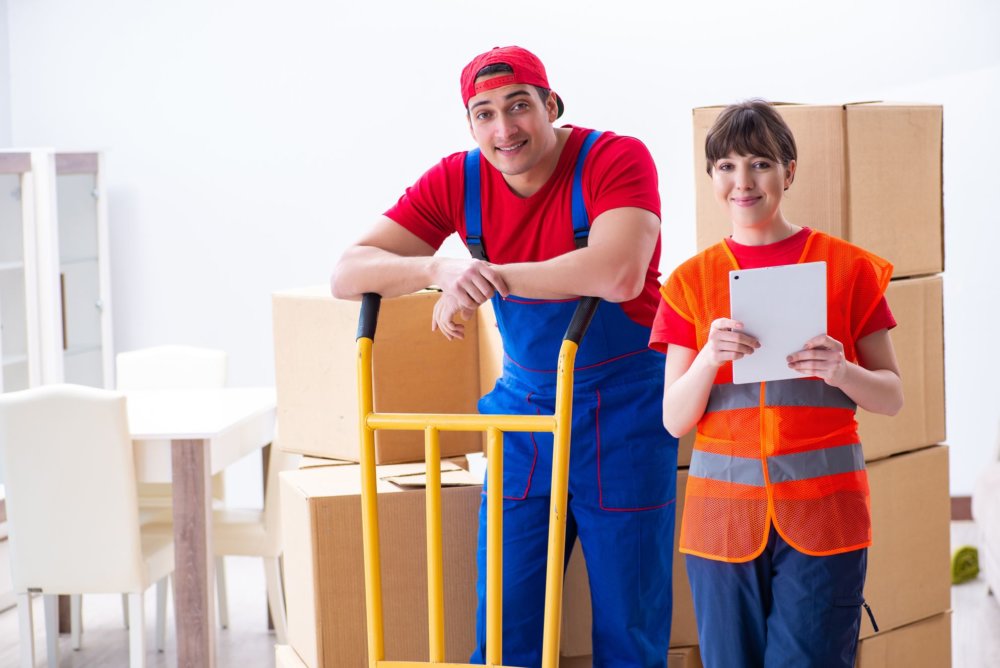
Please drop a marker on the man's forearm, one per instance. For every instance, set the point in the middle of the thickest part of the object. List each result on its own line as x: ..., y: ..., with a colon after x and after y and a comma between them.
x: 369, y: 269
x: 583, y: 272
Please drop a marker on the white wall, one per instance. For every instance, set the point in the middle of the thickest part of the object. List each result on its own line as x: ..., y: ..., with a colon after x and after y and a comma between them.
x: 248, y: 142
x: 4, y: 78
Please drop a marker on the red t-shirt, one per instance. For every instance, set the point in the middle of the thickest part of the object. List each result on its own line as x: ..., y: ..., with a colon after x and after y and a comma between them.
x: 669, y: 327
x: 618, y: 172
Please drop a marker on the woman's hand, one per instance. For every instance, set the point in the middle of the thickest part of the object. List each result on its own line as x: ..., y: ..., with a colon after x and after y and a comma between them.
x: 727, y: 342
x: 822, y: 356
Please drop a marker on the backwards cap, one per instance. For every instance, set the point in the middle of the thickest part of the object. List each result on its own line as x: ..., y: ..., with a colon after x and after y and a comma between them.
x: 527, y: 69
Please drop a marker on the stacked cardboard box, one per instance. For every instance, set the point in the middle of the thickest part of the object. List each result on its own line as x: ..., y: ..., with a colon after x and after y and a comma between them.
x: 324, y: 564
x: 415, y: 371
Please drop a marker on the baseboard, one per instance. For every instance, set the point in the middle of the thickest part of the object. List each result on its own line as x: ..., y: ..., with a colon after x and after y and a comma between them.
x: 961, y: 508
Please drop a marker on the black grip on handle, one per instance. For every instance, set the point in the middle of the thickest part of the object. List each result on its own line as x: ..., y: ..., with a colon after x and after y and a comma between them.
x: 368, y: 317
x: 584, y: 313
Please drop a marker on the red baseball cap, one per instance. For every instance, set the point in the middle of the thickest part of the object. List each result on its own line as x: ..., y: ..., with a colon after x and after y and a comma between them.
x: 527, y: 69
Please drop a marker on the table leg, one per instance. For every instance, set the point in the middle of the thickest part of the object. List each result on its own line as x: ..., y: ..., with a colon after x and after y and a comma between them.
x: 194, y: 564
x: 64, y: 616
x: 265, y: 454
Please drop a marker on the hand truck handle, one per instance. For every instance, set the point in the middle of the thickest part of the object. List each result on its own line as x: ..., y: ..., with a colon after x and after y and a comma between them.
x: 584, y: 313
x: 368, y: 317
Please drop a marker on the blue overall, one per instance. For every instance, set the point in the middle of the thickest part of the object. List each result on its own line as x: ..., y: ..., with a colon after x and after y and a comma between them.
x: 623, y: 469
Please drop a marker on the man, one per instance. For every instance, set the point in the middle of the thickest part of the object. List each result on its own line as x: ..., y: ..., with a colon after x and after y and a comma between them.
x: 551, y: 214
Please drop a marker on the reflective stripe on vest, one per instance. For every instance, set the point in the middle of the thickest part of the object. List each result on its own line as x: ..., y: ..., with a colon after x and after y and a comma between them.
x: 780, y: 468
x: 790, y: 392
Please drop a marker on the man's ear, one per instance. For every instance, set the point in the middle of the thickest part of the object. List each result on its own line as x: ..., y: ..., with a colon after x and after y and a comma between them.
x: 552, y: 107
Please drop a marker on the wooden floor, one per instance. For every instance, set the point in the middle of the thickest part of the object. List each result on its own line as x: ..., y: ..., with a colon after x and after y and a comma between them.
x: 248, y: 644
x: 975, y: 622
x: 245, y: 644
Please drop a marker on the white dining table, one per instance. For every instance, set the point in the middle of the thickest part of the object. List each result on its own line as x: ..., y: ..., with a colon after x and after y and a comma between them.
x: 184, y: 437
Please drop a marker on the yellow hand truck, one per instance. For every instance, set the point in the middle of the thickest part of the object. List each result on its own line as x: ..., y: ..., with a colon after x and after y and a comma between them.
x: 559, y: 424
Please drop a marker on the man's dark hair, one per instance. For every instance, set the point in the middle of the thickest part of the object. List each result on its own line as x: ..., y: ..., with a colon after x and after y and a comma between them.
x: 500, y: 68
x: 751, y: 127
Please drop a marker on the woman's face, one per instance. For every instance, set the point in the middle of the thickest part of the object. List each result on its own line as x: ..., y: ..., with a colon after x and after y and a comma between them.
x: 750, y: 188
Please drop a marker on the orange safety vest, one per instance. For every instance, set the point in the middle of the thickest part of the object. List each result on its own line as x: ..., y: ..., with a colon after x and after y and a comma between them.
x: 785, y: 452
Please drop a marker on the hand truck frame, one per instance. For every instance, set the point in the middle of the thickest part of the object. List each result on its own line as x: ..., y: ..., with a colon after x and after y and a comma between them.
x: 559, y: 424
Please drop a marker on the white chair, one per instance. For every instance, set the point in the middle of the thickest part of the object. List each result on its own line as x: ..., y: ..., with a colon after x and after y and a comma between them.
x: 174, y: 367
x: 73, y: 510
x: 252, y: 532
x: 257, y: 533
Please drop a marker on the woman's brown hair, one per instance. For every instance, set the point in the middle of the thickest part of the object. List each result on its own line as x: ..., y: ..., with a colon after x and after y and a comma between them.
x: 751, y: 127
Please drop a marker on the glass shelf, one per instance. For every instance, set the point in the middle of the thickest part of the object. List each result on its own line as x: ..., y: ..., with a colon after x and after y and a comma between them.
x: 81, y: 350
x: 77, y: 260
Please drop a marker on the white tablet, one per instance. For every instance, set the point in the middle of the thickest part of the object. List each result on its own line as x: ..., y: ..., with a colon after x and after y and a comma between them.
x: 783, y: 307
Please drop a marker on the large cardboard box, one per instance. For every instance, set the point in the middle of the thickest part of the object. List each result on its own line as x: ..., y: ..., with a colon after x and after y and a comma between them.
x: 908, y: 565
x: 869, y: 173
x: 324, y: 565
x: 917, y: 304
x: 923, y: 644
x: 577, y: 612
x: 677, y: 657
x: 415, y: 371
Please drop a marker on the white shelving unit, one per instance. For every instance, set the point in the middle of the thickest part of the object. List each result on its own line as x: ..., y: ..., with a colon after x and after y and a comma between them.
x: 55, y: 302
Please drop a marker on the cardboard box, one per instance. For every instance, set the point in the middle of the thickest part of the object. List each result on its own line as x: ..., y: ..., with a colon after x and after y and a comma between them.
x: 314, y: 462
x: 685, y: 444
x: 285, y: 657
x: 324, y: 570
x: 577, y: 612
x: 869, y: 173
x: 917, y: 304
x: 923, y: 644
x: 909, y: 563
x: 677, y: 657
x: 415, y: 371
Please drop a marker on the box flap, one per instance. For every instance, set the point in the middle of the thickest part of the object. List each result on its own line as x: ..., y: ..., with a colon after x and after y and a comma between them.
x: 313, y: 462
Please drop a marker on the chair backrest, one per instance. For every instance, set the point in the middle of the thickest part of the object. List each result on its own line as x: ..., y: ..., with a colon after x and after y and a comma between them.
x: 71, y: 491
x: 170, y: 367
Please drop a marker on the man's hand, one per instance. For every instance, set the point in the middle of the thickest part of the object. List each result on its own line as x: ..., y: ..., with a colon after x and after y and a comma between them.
x: 443, y: 318
x: 468, y: 282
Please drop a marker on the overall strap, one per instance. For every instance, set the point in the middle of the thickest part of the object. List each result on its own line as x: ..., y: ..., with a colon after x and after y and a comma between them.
x: 474, y: 205
x: 581, y: 221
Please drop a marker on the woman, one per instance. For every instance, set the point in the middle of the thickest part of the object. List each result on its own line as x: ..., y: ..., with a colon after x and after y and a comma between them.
x: 776, y: 522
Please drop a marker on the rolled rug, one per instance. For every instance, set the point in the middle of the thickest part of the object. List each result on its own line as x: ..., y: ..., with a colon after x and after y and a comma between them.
x: 964, y: 564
